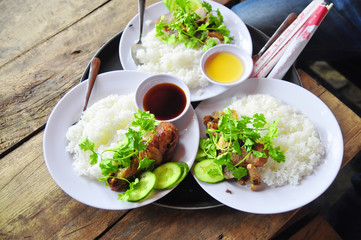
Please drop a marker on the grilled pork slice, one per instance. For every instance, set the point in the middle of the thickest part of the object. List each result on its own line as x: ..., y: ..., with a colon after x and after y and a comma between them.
x: 254, y: 177
x: 211, y: 122
x: 251, y: 162
x: 251, y: 159
x: 161, y: 148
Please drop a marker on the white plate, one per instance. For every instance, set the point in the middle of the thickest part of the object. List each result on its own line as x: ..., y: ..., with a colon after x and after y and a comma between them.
x: 68, y: 110
x: 130, y: 36
x: 285, y: 198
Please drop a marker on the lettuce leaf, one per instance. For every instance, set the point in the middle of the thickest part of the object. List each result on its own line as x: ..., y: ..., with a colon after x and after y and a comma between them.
x: 172, y: 5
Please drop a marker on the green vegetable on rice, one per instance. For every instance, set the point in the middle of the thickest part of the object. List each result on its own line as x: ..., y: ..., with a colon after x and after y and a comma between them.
x: 190, y: 27
x: 172, y: 4
x: 246, y: 130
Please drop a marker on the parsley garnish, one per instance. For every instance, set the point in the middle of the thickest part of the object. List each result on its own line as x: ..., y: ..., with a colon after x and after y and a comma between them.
x: 125, y: 195
x: 86, y: 145
x: 145, y: 163
x: 189, y: 31
x: 246, y: 130
x: 133, y: 144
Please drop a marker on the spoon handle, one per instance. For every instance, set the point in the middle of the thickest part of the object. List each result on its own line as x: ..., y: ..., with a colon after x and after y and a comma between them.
x: 94, y: 68
x: 141, y: 7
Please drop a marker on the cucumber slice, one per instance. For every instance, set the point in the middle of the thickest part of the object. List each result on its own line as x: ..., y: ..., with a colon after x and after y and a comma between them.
x: 185, y: 170
x: 201, y: 155
x: 167, y: 175
x: 143, y: 188
x: 208, y: 171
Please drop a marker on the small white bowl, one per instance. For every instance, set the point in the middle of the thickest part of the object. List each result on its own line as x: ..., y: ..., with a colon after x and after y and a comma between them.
x: 239, y: 52
x: 165, y: 102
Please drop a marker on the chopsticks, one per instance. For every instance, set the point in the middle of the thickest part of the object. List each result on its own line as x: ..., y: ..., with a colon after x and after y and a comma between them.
x: 287, y: 22
x: 287, y: 47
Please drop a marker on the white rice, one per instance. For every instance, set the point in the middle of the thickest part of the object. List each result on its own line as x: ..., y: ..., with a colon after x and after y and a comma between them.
x: 104, y: 123
x: 297, y: 138
x: 182, y: 62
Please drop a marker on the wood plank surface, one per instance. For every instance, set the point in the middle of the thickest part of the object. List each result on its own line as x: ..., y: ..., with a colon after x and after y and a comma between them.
x: 42, y: 75
x: 28, y: 23
x: 154, y: 222
x: 350, y: 122
x: 318, y: 229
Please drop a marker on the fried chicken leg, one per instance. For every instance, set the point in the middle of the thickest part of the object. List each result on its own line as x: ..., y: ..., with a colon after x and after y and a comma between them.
x: 160, y: 148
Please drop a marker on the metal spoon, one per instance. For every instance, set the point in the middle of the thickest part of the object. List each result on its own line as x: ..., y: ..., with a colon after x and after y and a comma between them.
x: 138, y: 45
x: 287, y: 22
x: 93, y: 72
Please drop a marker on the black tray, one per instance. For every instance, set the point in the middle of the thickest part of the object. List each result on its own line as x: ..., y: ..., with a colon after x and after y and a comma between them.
x: 188, y: 195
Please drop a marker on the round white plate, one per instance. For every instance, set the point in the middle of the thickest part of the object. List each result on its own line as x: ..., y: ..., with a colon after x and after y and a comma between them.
x: 130, y: 36
x: 281, y: 199
x: 68, y: 111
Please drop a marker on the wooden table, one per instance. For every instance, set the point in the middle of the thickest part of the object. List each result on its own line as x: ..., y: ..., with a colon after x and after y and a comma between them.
x: 45, y: 47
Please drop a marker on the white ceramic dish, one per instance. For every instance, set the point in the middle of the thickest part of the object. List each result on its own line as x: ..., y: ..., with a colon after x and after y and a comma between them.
x: 281, y: 199
x: 243, y: 55
x: 130, y: 36
x: 154, y: 80
x: 68, y: 110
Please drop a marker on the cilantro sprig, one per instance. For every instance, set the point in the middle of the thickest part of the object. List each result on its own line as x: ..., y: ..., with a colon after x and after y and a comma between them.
x: 187, y: 28
x: 248, y: 131
x: 125, y: 195
x: 135, y: 142
x: 87, y: 145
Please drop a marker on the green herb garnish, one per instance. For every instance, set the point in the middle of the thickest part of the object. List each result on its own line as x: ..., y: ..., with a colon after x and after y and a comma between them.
x: 125, y: 195
x: 87, y: 145
x: 188, y: 27
x: 133, y: 144
x: 248, y: 131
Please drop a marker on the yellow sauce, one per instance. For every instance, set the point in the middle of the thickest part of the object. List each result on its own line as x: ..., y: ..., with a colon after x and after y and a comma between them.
x: 223, y: 67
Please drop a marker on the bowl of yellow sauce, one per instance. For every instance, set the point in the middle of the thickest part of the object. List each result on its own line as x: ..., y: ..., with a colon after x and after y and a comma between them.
x: 226, y: 64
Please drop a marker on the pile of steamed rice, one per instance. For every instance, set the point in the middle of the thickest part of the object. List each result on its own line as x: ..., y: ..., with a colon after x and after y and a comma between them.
x: 105, y: 124
x: 297, y: 137
x: 177, y: 60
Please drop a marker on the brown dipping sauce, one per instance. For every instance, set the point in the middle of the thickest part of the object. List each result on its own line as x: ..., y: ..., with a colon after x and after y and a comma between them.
x: 165, y: 101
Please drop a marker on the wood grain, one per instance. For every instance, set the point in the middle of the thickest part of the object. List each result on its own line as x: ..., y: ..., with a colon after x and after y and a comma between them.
x: 36, y: 21
x: 40, y: 76
x: 154, y: 222
x: 318, y: 229
x: 350, y: 122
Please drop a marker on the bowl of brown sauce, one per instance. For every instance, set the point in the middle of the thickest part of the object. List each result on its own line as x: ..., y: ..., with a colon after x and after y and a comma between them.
x: 165, y: 96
